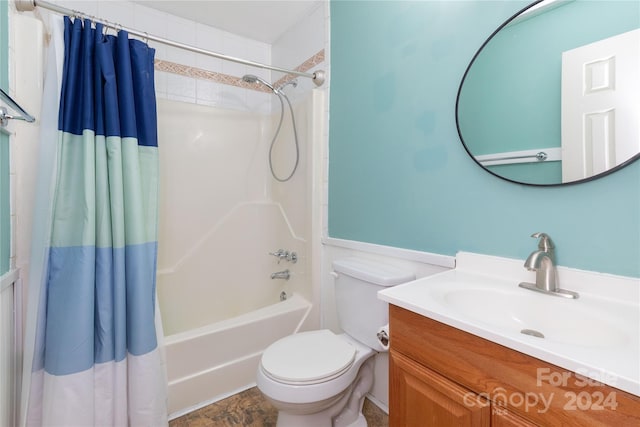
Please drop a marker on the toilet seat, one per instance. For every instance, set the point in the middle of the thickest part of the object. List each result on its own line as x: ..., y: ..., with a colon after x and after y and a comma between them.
x: 308, y: 358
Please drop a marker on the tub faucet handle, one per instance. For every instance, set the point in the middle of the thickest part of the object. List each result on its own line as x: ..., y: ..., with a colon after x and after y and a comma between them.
x: 286, y: 255
x: 280, y: 253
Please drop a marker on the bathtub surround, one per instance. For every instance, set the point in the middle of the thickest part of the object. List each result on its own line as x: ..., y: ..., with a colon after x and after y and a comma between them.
x: 236, y: 217
x: 217, y: 268
x: 214, y: 275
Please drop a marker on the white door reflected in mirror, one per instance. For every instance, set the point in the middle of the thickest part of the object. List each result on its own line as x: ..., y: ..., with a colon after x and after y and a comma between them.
x: 600, y: 108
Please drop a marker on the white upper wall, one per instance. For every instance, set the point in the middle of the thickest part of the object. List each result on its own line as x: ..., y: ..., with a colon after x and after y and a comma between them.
x: 301, y: 41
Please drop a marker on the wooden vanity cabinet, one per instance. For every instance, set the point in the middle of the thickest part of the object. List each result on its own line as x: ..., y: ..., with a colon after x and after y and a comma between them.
x: 425, y: 397
x: 501, y: 417
x: 441, y: 376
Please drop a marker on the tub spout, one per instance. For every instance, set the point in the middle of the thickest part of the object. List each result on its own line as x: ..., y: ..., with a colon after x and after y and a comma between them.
x: 285, y: 274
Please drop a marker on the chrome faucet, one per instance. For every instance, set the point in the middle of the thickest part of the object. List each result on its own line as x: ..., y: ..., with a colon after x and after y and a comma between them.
x: 285, y: 274
x: 543, y: 263
x: 286, y: 255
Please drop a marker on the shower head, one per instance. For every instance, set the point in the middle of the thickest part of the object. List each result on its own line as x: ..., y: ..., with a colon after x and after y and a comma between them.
x: 250, y: 78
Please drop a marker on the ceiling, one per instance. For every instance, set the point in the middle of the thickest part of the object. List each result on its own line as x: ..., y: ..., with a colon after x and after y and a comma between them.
x: 262, y: 20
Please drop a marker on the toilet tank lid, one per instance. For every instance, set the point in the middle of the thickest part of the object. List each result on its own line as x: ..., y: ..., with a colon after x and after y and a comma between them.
x: 372, y: 272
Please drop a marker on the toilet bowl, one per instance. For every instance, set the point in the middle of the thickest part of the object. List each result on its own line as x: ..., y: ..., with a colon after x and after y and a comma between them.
x: 319, y: 378
x: 310, y: 377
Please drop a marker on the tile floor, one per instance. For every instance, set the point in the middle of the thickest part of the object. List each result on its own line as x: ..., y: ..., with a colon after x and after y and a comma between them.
x: 250, y: 409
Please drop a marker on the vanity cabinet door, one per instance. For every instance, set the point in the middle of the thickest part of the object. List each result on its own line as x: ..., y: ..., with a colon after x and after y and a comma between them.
x: 501, y: 417
x: 420, y: 397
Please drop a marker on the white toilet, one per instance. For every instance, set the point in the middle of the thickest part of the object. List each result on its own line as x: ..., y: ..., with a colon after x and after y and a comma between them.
x: 318, y: 378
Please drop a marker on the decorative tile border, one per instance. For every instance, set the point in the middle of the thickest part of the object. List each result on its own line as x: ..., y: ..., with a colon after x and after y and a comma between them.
x: 304, y: 67
x: 199, y: 73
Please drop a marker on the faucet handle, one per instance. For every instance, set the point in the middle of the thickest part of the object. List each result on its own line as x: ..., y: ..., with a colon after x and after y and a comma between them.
x: 280, y: 253
x: 545, y: 243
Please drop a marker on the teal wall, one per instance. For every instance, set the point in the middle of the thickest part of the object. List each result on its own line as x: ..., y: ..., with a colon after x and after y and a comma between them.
x: 398, y: 174
x: 524, y: 62
x: 5, y: 219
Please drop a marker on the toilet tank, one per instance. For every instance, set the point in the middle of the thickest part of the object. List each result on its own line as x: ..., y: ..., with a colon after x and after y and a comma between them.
x: 357, y: 283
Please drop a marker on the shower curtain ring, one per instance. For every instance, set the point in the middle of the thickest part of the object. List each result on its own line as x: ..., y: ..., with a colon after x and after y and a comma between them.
x: 108, y: 25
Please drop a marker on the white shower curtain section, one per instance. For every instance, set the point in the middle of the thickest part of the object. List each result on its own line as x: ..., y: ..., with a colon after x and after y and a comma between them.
x: 41, y: 229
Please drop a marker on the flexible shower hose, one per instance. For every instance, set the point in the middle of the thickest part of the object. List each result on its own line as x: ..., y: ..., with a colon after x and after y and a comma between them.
x: 275, y: 136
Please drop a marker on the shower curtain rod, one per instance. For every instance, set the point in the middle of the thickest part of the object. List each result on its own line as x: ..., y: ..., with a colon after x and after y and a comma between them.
x: 29, y: 5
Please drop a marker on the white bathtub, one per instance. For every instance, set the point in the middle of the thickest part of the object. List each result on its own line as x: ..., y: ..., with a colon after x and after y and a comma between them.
x: 215, y: 361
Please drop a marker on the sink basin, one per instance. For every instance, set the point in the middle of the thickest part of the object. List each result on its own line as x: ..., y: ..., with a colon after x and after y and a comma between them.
x: 596, y: 335
x: 561, y: 321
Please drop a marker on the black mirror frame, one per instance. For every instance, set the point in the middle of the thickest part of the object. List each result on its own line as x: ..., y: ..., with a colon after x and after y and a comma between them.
x: 580, y: 181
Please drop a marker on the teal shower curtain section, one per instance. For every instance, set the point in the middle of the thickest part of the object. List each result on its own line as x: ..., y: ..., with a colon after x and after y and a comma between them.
x: 97, y: 339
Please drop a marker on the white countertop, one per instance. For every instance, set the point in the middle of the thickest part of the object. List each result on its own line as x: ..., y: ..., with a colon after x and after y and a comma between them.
x: 599, y: 337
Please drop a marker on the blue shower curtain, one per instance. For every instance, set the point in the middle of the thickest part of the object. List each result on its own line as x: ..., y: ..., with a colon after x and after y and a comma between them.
x: 96, y: 359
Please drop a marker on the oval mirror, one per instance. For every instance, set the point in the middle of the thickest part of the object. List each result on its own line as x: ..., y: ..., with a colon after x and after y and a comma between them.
x: 553, y: 96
